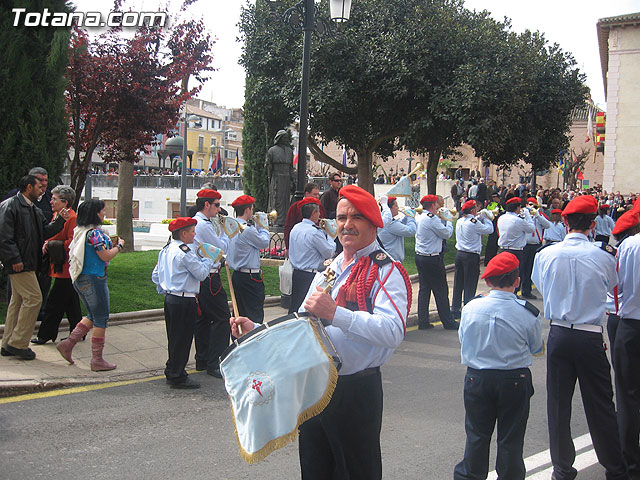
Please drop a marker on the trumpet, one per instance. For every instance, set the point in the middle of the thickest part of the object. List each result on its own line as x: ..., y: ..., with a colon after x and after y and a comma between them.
x: 412, y: 212
x: 487, y: 213
x: 330, y: 226
x: 532, y: 210
x: 446, y: 214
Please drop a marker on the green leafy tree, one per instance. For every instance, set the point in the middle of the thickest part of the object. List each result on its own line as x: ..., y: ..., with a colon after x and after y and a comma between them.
x: 33, y: 121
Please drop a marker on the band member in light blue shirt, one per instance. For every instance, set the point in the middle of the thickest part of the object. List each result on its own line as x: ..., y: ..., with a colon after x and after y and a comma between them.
x: 396, y: 229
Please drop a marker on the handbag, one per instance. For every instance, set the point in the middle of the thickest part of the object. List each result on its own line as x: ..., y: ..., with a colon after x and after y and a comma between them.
x: 286, y: 277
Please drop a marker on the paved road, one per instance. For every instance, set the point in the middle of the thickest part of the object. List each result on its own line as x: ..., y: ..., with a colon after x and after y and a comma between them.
x: 146, y: 430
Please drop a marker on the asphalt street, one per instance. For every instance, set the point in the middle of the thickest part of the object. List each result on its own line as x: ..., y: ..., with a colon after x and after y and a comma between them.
x: 146, y: 430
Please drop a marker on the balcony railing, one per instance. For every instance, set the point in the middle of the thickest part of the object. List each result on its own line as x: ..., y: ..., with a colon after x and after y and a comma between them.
x: 224, y: 182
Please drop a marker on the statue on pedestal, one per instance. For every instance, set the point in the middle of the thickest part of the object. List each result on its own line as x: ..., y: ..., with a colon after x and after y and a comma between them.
x: 279, y: 166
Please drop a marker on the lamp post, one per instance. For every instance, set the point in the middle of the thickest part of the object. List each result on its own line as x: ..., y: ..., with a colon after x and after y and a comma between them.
x: 303, y: 17
x: 183, y: 176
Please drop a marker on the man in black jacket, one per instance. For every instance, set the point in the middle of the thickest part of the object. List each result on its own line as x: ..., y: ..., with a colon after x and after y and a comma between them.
x: 23, y: 229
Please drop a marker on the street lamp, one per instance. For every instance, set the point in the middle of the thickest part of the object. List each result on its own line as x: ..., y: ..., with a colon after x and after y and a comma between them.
x: 303, y: 17
x: 183, y: 176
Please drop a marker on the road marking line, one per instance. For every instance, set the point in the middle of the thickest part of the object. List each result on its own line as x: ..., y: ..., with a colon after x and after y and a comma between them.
x: 80, y: 389
x: 584, y: 460
x: 544, y: 458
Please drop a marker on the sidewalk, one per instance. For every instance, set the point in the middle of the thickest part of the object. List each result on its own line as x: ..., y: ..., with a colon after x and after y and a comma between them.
x: 137, y: 343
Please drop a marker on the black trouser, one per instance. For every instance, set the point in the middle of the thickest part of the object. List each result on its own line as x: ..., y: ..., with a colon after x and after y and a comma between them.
x: 612, y: 328
x: 491, y: 396
x: 212, y: 331
x: 491, y: 250
x: 343, y: 442
x: 180, y: 315
x: 433, y: 277
x: 571, y: 355
x: 519, y: 254
x: 465, y: 278
x: 602, y: 238
x: 526, y: 264
x: 249, y: 290
x: 627, y: 366
x: 301, y: 282
x: 62, y: 299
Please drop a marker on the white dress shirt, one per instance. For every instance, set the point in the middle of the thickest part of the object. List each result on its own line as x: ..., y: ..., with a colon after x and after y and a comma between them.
x: 244, y: 248
x: 513, y: 229
x: 430, y: 233
x: 393, y: 234
x: 309, y: 246
x: 205, y: 233
x: 629, y: 277
x: 469, y: 231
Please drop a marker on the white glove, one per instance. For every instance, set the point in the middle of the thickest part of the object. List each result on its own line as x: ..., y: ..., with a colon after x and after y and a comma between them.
x: 384, y: 200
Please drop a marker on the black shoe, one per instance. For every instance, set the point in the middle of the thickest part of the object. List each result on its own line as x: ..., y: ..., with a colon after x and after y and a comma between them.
x: 6, y: 353
x: 186, y: 384
x: 41, y: 341
x: 215, y: 373
x: 425, y: 326
x: 451, y: 326
x: 529, y: 296
x: 200, y: 367
x: 22, y: 353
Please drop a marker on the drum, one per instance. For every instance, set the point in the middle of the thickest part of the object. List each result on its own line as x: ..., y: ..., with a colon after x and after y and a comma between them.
x: 277, y: 376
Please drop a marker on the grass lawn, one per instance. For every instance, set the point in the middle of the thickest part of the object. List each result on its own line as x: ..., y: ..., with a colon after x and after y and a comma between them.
x: 131, y: 288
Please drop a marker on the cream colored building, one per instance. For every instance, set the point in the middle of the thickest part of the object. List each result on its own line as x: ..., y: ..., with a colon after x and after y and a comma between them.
x: 619, y: 43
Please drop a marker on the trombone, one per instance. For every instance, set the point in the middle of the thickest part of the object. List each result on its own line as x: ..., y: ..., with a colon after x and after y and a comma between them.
x: 411, y: 212
x: 447, y: 214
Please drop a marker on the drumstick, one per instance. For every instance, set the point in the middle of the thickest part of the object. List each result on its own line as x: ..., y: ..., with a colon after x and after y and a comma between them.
x: 233, y: 296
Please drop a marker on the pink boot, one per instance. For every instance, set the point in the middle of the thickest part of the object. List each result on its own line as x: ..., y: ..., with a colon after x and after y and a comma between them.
x: 66, y: 346
x: 99, y: 364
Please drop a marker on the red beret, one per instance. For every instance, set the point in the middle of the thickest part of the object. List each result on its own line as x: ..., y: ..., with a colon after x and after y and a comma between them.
x: 626, y: 221
x: 429, y: 198
x: 208, y: 193
x: 390, y: 200
x: 556, y: 210
x: 581, y: 204
x: 307, y: 201
x: 604, y: 206
x: 364, y: 202
x: 469, y: 204
x: 502, y: 263
x: 181, y: 222
x: 243, y: 200
x: 532, y: 200
x: 636, y: 206
x: 513, y: 200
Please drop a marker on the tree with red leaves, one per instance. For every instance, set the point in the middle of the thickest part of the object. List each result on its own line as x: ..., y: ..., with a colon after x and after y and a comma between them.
x: 123, y: 92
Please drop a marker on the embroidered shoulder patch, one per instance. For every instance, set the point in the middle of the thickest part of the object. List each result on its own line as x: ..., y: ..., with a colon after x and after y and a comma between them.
x: 529, y: 306
x: 184, y: 248
x: 430, y: 214
x: 474, y: 220
x: 380, y: 257
x: 609, y: 249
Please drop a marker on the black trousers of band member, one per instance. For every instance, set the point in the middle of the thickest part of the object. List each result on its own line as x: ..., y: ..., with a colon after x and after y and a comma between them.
x: 519, y: 254
x: 528, y: 255
x: 465, y: 278
x: 491, y: 250
x: 180, y: 315
x: 602, y: 238
x: 613, y: 321
x: 577, y: 355
x: 491, y: 396
x: 63, y: 299
x: 249, y: 290
x: 626, y: 353
x: 343, y: 442
x: 433, y: 277
x: 213, y: 331
x: 301, y: 282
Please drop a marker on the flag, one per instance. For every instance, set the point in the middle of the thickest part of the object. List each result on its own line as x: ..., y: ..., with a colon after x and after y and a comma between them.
x: 218, y: 162
x: 210, y: 162
x: 580, y: 175
x: 295, y: 160
x: 344, y: 156
x: 589, y: 129
x: 237, y: 161
x: 561, y: 165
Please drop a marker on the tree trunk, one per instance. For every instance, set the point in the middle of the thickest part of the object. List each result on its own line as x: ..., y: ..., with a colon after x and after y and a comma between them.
x: 125, y: 204
x: 365, y: 173
x: 432, y: 171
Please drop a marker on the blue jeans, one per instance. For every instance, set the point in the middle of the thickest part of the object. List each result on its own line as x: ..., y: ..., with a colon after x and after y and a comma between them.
x: 94, y: 293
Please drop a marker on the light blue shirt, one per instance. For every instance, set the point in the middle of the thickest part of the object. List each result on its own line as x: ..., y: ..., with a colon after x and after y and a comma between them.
x: 574, y: 277
x: 430, y: 233
x: 498, y: 332
x: 513, y: 229
x: 244, y: 248
x: 604, y: 225
x: 309, y: 246
x: 556, y: 232
x: 364, y: 339
x: 629, y: 275
x: 392, y: 235
x: 180, y: 270
x: 540, y: 222
x: 469, y: 231
x: 205, y: 233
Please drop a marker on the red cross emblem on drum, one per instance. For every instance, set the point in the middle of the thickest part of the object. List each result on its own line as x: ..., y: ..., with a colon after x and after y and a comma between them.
x: 260, y: 388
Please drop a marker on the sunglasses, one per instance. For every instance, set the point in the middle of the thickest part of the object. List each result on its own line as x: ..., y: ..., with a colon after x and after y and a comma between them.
x: 217, y: 205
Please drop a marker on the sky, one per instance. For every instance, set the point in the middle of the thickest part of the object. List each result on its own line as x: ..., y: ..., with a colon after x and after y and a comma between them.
x: 570, y: 23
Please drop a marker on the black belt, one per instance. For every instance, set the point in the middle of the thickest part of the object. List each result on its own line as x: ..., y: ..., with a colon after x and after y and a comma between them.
x: 358, y: 375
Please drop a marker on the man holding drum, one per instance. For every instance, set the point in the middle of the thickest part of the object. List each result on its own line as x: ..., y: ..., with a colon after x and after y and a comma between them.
x: 212, y: 328
x: 309, y: 247
x: 366, y: 311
